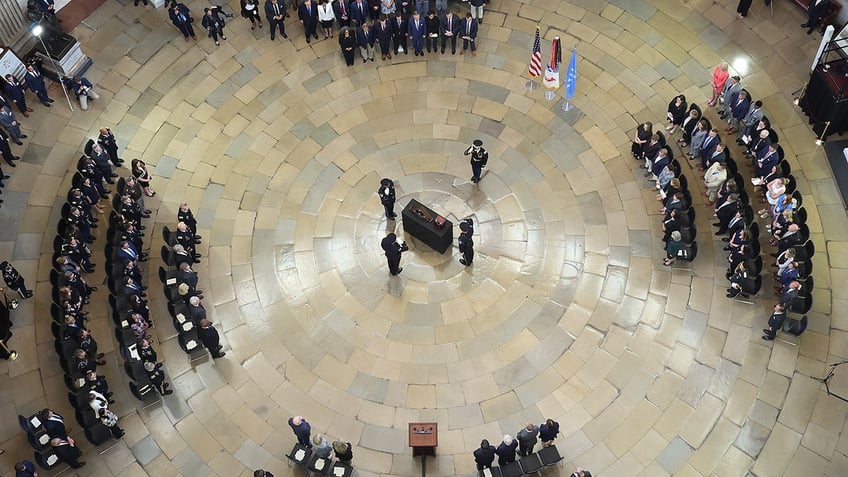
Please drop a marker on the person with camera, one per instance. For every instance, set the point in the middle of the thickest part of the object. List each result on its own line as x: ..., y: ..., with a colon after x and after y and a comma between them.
x: 393, y: 250
x: 82, y: 88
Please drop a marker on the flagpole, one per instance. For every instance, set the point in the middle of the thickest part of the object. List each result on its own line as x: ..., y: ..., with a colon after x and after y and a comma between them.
x: 535, y: 62
x: 570, y: 80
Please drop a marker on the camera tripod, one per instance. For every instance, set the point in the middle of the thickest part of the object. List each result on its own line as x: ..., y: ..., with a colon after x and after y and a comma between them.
x: 826, y: 380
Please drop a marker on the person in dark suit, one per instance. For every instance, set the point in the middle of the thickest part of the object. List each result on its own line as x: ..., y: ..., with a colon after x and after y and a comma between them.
x: 387, y: 197
x: 181, y: 18
x: 383, y: 36
x: 196, y: 310
x: 416, y: 30
x: 725, y: 212
x: 818, y: 8
x: 739, y: 105
x: 53, y: 423
x: 399, y: 28
x: 25, y: 468
x: 775, y: 322
x: 450, y: 26
x: 15, y: 91
x: 214, y: 23
x: 484, y: 456
x: 67, y: 452
x: 210, y: 338
x: 301, y: 430
x: 35, y: 82
x: 6, y: 150
x: 548, y: 432
x: 769, y: 158
x: 157, y: 377
x: 790, y: 294
x: 393, y: 251
x: 506, y: 450
x: 11, y: 124
x: 307, y: 12
x: 465, y: 242
x: 342, y: 10
x: 374, y: 9
x: 14, y: 280
x: 718, y: 155
x: 275, y: 12
x: 358, y: 12
x: 365, y: 40
x: 343, y: 451
x: 187, y: 275
x: 187, y: 217
x: 468, y: 30
x: 433, y: 25
x: 250, y: 10
x: 479, y: 159
x: 108, y: 142
x: 708, y: 147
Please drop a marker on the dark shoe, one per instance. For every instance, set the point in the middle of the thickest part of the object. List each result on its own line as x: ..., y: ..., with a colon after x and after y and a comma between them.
x: 11, y: 164
x: 725, y: 239
x: 100, y: 355
x: 167, y: 392
x: 462, y: 261
x: 19, y: 143
x: 219, y: 355
x: 284, y: 35
x: 79, y: 464
x: 398, y: 272
x: 810, y: 31
x: 805, y: 25
x: 767, y: 338
x: 101, y: 363
x: 391, y: 217
x: 24, y: 136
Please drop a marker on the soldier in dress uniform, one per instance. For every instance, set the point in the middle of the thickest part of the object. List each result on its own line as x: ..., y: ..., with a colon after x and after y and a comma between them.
x: 466, y: 243
x: 479, y: 158
x: 387, y: 197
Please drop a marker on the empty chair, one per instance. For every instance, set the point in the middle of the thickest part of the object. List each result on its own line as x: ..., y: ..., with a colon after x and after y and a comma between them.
x: 98, y: 434
x: 494, y: 471
x: 73, y: 384
x: 732, y: 168
x: 688, y: 234
x: 800, y: 216
x: 513, y: 469
x: 86, y: 418
x: 805, y: 252
x: 802, y: 305
x: 531, y: 464
x: 46, y: 460
x: 754, y: 265
x: 550, y: 456
x: 66, y: 210
x: 39, y: 441
x: 674, y: 165
x: 189, y: 342
x: 166, y: 254
x: 142, y: 392
x: 299, y: 454
x: 684, y: 182
x: 79, y: 399
x: 750, y: 286
x: 341, y: 469
x: 166, y: 235
x: 754, y: 231
x: 795, y: 327
x: 163, y: 275
x: 785, y: 168
x: 31, y: 424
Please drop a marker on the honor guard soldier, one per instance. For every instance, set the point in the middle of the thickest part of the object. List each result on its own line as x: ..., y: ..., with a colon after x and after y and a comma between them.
x: 466, y: 243
x: 479, y: 158
x: 387, y: 197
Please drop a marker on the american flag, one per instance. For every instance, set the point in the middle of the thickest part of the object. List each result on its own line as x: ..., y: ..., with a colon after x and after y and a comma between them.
x: 536, y: 60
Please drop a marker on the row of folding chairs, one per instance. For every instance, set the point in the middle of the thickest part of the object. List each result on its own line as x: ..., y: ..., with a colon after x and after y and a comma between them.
x: 527, y: 465
x: 305, y: 458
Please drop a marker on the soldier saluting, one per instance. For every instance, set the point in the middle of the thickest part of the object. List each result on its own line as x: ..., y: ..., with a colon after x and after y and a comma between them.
x: 479, y: 158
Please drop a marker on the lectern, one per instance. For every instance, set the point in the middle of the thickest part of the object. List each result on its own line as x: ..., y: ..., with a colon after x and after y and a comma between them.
x: 423, y: 438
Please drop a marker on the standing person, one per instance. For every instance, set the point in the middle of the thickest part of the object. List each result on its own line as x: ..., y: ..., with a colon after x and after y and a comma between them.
x: 416, y: 31
x: 527, y: 438
x: 432, y: 41
x: 732, y: 86
x: 387, y: 197
x: 83, y: 90
x: 422, y: 6
x: 365, y: 39
x: 506, y: 451
x: 548, y: 432
x: 477, y: 9
x: 393, y: 251
x: 469, y: 34
x: 35, y: 81
x: 214, y: 23
x: 321, y: 448
x: 742, y: 8
x: 374, y: 9
x: 308, y: 14
x: 301, y: 430
x: 720, y: 76
x: 450, y: 30
x: 6, y: 332
x: 479, y: 159
x: 210, y: 338
x: 108, y: 142
x: 387, y: 8
x: 676, y: 113
x: 181, y: 18
x: 6, y: 151
x: 818, y: 8
x: 14, y: 280
x: 15, y: 91
x: 11, y: 124
x: 775, y: 322
x: 327, y: 17
x: 383, y: 36
x: 275, y: 11
x: 342, y: 11
x: 250, y: 10
x: 484, y: 456
x: 347, y: 42
x: 581, y: 473
x: 25, y: 468
x: 399, y: 28
x: 358, y: 13
x: 142, y: 175
x: 343, y: 451
x: 466, y: 243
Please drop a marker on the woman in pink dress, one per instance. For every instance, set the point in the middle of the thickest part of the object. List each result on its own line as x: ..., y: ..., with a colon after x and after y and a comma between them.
x: 720, y: 76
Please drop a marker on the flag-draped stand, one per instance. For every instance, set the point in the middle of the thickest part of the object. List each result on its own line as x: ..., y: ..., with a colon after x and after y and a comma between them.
x: 551, y: 79
x: 535, y: 68
x: 570, y: 80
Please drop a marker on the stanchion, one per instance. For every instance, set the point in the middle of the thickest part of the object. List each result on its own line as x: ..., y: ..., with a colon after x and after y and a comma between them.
x: 550, y: 95
x: 567, y: 106
x: 531, y: 85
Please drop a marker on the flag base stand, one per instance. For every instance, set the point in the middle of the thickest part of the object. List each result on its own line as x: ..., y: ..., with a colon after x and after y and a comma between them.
x: 567, y: 106
x: 531, y: 85
x: 550, y: 95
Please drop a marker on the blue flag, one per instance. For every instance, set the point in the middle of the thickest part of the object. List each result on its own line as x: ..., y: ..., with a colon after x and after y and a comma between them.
x: 571, y: 75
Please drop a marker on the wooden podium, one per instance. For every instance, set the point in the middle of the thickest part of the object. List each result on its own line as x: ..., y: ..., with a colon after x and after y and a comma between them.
x: 423, y: 438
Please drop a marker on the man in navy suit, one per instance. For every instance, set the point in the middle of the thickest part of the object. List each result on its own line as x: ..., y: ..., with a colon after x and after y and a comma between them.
x: 417, y: 31
x: 342, y: 11
x: 468, y: 30
x: 365, y: 40
x: 707, y: 149
x: 15, y: 92
x: 54, y: 424
x: 35, y: 81
x: 768, y: 159
x: 398, y: 24
x: 275, y: 10
x: 383, y: 36
x: 359, y: 12
x: 67, y: 452
x: 308, y: 14
x: 739, y: 105
x: 450, y: 30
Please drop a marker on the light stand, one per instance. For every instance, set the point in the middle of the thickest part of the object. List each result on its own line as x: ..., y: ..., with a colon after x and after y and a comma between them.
x: 37, y: 31
x: 826, y: 379
x: 820, y: 139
